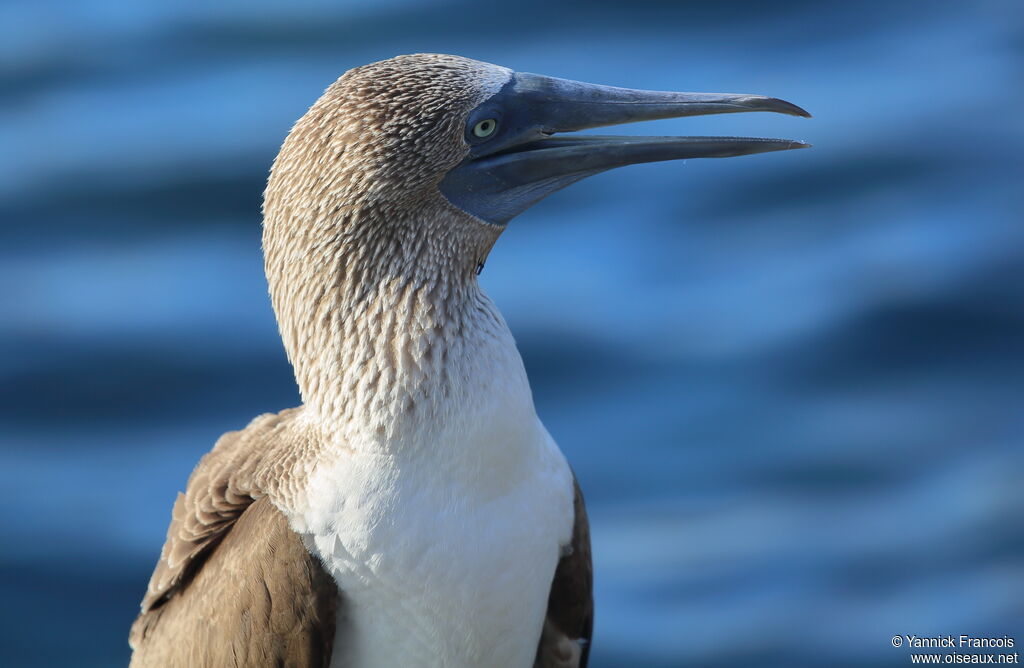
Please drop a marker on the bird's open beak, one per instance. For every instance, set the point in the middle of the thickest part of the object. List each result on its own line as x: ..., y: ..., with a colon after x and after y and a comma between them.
x: 522, y: 162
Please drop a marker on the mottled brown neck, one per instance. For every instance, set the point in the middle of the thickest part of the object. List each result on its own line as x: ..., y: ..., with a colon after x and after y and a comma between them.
x: 372, y: 271
x: 369, y: 306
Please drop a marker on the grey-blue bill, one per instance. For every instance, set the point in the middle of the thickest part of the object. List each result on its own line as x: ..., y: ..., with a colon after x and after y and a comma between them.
x: 514, y: 160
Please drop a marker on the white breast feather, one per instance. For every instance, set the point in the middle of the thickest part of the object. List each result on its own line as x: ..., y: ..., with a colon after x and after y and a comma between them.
x: 445, y: 543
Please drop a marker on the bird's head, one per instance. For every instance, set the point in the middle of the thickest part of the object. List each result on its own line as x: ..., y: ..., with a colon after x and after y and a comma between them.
x: 397, y: 133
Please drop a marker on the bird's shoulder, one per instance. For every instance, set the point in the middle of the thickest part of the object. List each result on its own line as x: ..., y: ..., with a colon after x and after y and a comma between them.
x: 227, y: 539
x: 241, y: 467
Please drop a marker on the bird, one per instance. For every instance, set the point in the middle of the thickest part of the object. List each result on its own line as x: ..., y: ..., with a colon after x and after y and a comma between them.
x: 413, y: 510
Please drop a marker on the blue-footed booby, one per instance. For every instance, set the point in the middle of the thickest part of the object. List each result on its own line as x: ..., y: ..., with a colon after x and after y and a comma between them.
x: 413, y: 511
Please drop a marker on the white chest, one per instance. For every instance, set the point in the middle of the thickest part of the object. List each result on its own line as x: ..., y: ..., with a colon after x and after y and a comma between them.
x: 444, y: 567
x: 443, y: 523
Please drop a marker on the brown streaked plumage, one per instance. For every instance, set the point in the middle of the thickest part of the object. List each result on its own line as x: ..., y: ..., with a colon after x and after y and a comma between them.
x: 235, y: 586
x: 413, y: 511
x: 254, y: 597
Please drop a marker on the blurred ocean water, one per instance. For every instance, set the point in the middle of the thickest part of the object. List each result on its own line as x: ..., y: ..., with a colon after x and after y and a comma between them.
x: 790, y: 384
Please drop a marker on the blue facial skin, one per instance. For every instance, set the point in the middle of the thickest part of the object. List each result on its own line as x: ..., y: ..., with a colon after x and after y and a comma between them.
x: 521, y: 163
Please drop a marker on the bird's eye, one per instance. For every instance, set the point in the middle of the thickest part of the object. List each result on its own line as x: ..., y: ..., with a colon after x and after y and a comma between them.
x: 485, y: 128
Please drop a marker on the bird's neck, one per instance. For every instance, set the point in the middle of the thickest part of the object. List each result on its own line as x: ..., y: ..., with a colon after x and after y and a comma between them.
x: 383, y: 319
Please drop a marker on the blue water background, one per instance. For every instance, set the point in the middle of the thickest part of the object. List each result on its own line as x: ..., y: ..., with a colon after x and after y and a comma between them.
x: 791, y: 384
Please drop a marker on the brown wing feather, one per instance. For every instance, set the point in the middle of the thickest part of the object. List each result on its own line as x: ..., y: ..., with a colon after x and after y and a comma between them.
x: 235, y: 586
x: 259, y: 599
x: 565, y: 641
